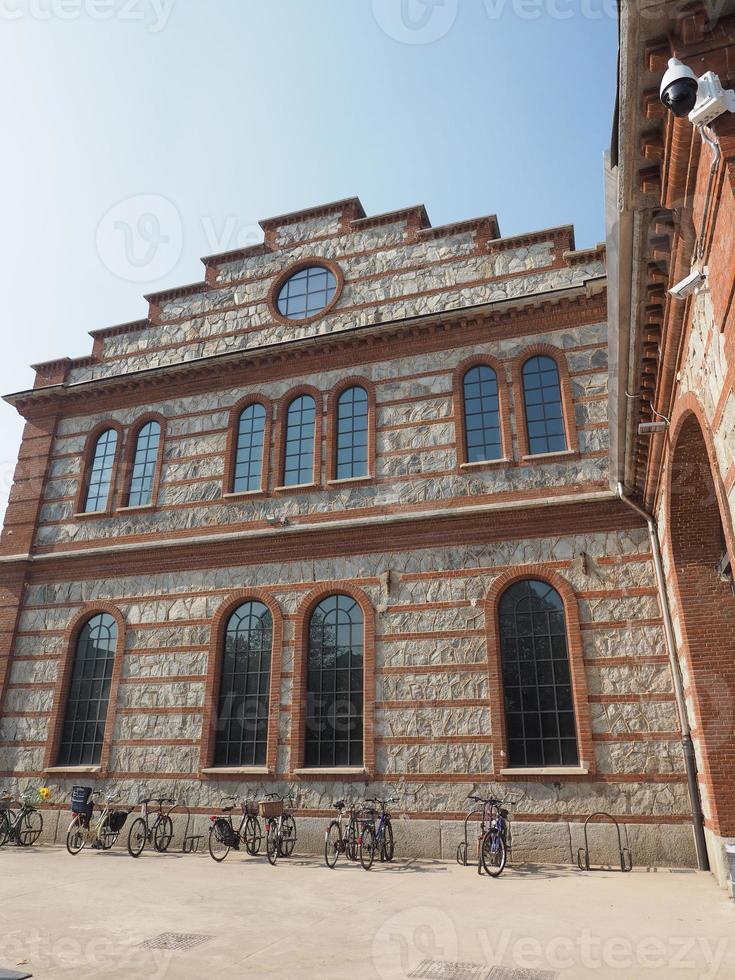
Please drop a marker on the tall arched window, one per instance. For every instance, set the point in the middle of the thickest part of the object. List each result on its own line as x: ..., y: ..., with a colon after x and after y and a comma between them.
x: 298, y: 456
x: 99, y: 477
x: 83, y: 728
x: 351, y: 443
x: 143, y: 474
x: 482, y: 414
x: 244, y: 696
x: 539, y: 707
x: 334, y: 710
x: 248, y: 468
x: 542, y: 398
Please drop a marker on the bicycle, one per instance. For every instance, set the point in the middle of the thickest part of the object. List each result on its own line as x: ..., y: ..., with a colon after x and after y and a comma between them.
x: 337, y: 841
x: 222, y: 834
x: 160, y: 833
x: 105, y: 832
x: 372, y: 839
x: 494, y: 839
x: 280, y: 826
x: 23, y: 827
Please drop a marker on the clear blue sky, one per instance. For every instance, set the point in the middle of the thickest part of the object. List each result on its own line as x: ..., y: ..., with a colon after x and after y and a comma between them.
x: 211, y: 114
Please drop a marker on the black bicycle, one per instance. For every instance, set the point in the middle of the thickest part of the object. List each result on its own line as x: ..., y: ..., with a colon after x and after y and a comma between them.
x: 339, y: 839
x: 22, y: 827
x: 156, y: 828
x: 280, y: 826
x: 376, y: 834
x: 223, y: 837
x: 494, y: 840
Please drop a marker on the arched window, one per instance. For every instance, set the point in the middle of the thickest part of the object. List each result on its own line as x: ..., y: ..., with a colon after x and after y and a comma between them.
x: 248, y: 468
x: 334, y: 710
x: 542, y: 397
x: 99, y: 477
x: 242, y: 717
x: 143, y: 474
x: 539, y: 707
x: 83, y: 729
x: 351, y: 443
x: 298, y: 457
x: 482, y: 414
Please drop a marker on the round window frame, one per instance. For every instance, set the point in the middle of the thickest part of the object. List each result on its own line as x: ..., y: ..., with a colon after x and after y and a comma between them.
x: 292, y: 270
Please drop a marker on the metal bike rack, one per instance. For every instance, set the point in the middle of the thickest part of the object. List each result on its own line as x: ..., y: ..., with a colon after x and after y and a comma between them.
x: 583, y: 854
x: 463, y: 846
x: 190, y: 843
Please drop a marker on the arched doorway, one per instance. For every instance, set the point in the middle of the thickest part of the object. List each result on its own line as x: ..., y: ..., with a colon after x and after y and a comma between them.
x: 706, y: 606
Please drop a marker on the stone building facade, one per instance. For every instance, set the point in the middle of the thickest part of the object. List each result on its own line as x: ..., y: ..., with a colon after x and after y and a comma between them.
x: 671, y: 208
x: 424, y: 542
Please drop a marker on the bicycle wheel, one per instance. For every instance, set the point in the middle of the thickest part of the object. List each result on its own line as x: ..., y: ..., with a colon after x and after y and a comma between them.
x: 351, y: 847
x: 4, y: 827
x: 387, y: 845
x: 219, y: 834
x: 287, y: 840
x: 368, y: 847
x: 492, y: 853
x: 253, y: 836
x: 29, y: 828
x: 163, y: 833
x: 137, y: 837
x: 106, y: 836
x: 271, y: 842
x: 332, y: 844
x: 75, y: 839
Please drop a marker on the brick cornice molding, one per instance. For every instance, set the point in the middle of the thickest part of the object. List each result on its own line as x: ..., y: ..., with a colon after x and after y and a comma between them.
x: 214, y: 670
x: 301, y: 653
x: 575, y: 651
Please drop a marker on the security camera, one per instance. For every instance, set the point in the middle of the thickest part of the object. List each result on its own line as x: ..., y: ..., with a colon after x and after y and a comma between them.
x: 679, y: 88
x: 702, y: 99
x: 689, y: 284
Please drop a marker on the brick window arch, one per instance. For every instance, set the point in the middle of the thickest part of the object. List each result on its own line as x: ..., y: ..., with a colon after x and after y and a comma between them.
x: 481, y: 412
x: 144, y: 462
x: 248, y: 446
x: 351, y: 430
x: 335, y: 640
x: 539, y: 709
x: 85, y: 700
x: 299, y: 450
x: 247, y: 631
x: 96, y: 493
x: 543, y: 402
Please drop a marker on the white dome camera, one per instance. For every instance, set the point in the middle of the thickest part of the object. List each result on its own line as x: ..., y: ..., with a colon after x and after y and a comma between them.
x: 679, y: 88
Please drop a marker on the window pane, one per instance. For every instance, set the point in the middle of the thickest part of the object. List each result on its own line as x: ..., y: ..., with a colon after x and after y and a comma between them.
x: 144, y: 465
x: 542, y: 396
x: 89, y: 691
x: 352, y: 433
x: 535, y: 665
x: 249, y: 449
x: 307, y: 292
x: 482, y: 414
x: 299, y: 453
x: 334, y: 712
x: 242, y: 717
x: 100, y: 472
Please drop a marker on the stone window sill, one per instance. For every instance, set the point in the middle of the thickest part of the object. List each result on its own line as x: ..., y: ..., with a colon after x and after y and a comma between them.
x: 88, y: 515
x: 237, y: 771
x: 72, y: 770
x: 333, y: 771
x: 134, y: 509
x: 297, y: 488
x: 348, y: 480
x: 236, y: 495
x: 547, y: 771
x: 540, y: 457
x: 482, y: 464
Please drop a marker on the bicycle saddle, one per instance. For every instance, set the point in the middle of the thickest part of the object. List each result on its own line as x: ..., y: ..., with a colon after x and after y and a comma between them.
x: 339, y: 805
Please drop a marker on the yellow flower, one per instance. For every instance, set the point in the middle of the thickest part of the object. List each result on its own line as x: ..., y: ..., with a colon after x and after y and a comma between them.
x: 44, y: 793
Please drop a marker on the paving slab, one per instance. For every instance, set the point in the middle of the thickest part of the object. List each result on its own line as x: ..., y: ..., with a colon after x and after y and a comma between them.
x: 183, y: 917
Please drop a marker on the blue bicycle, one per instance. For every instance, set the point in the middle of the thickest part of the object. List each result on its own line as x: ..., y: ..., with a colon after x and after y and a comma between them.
x: 495, y: 841
x: 377, y: 839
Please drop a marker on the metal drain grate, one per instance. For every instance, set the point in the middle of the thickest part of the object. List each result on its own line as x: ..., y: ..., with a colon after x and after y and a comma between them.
x: 442, y: 970
x: 175, y: 940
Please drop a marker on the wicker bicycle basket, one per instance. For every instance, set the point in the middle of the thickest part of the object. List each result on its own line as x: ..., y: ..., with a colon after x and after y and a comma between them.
x: 250, y: 808
x: 270, y: 808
